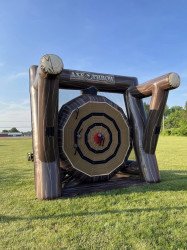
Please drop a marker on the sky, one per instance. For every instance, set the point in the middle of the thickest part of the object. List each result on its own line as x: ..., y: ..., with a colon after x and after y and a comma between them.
x: 140, y: 38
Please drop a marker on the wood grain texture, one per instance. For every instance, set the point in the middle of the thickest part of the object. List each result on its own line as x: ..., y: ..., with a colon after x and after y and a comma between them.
x: 74, y: 79
x: 47, y: 119
x: 165, y: 82
x: 157, y: 88
x: 154, y: 120
x: 147, y: 162
x: 44, y: 85
x: 51, y: 64
x: 146, y: 130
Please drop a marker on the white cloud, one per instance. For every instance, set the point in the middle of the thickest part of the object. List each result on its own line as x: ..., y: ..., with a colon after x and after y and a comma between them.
x: 17, y: 75
x: 6, y: 80
x: 15, y: 114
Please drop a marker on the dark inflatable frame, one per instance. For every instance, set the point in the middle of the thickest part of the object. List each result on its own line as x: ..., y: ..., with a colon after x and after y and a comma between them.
x: 45, y: 82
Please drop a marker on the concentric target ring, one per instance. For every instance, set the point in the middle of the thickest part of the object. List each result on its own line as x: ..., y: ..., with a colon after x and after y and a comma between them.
x: 94, y: 136
x: 79, y: 149
x: 97, y: 151
x: 76, y: 132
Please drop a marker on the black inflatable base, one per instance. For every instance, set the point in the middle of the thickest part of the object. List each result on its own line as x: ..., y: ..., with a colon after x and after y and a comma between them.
x: 120, y: 180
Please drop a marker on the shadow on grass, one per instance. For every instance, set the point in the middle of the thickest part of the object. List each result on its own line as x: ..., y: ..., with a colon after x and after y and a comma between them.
x: 6, y: 218
x: 174, y: 172
x: 170, y: 175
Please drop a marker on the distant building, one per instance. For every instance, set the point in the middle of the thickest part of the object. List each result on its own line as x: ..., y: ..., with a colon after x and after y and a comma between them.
x: 11, y: 134
x: 3, y: 134
x: 15, y: 134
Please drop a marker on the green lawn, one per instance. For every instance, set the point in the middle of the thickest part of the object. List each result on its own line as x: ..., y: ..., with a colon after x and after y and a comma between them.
x: 153, y: 216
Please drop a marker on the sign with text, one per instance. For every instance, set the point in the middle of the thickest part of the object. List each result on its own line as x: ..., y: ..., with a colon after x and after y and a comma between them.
x: 91, y: 77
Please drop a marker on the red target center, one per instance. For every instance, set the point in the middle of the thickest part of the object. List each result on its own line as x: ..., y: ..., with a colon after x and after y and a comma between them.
x: 99, y: 138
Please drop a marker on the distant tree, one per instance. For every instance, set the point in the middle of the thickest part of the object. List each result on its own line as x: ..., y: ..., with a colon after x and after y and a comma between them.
x: 146, y: 107
x: 166, y: 111
x: 176, y: 121
x: 5, y: 131
x: 185, y: 107
x: 13, y: 130
x: 174, y: 108
x: 173, y: 119
x: 28, y: 133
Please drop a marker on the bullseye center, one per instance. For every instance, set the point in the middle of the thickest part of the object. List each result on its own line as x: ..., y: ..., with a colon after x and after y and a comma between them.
x: 99, y: 139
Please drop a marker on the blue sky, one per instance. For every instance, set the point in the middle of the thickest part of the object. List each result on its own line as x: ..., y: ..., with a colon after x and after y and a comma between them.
x: 137, y: 38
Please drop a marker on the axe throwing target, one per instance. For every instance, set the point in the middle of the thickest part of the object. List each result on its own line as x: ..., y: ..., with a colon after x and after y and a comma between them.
x: 94, y: 135
x: 89, y: 138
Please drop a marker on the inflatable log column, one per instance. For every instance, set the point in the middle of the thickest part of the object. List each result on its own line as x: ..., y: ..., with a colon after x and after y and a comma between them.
x: 44, y: 88
x: 90, y: 138
x: 146, y: 129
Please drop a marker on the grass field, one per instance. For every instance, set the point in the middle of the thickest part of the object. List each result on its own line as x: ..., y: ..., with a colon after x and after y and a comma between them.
x: 147, y: 217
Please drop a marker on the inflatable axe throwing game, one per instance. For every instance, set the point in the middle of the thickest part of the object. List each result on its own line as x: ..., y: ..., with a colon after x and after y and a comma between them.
x: 90, y: 138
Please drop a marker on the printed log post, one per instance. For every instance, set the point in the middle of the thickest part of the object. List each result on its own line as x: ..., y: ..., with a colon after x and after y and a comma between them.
x: 44, y: 87
x: 146, y: 131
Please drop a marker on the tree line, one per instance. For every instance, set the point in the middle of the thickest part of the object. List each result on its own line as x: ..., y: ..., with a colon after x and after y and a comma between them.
x: 12, y: 130
x: 174, y: 120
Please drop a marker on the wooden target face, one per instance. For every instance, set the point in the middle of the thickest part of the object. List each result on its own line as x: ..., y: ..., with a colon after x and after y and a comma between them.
x: 95, y: 138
